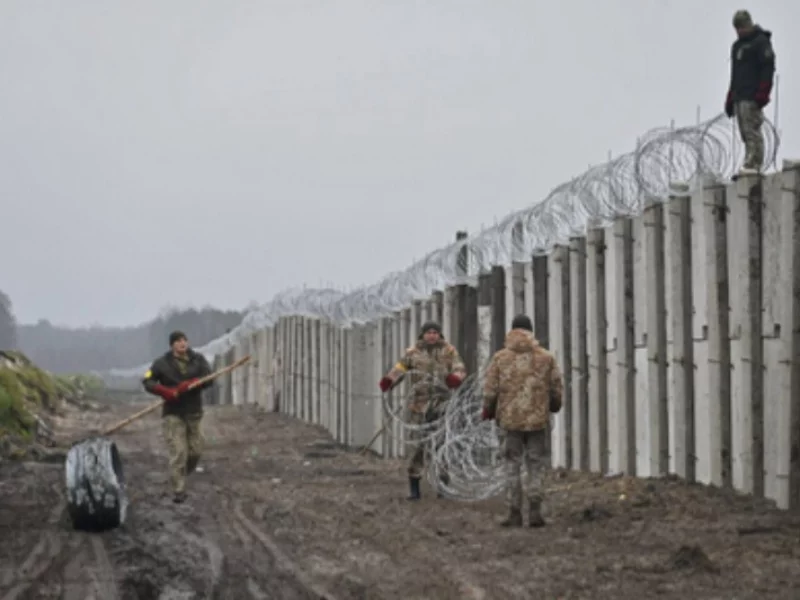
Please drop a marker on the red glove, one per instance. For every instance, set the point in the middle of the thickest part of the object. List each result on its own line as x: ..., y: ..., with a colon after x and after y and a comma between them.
x: 184, y: 386
x: 762, y: 95
x: 486, y: 414
x: 385, y: 384
x: 453, y: 381
x: 729, y: 104
x: 167, y: 393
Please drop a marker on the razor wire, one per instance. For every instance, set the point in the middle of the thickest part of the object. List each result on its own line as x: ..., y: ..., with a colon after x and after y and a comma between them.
x: 695, y: 155
x: 459, y: 442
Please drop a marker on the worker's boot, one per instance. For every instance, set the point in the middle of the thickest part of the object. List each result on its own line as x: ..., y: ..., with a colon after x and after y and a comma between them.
x: 535, y: 518
x: 514, y: 518
x: 413, y: 483
x: 179, y: 497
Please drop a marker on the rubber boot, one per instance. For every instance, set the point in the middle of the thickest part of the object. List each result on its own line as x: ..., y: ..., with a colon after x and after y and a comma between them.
x: 535, y: 518
x: 514, y: 518
x: 413, y: 483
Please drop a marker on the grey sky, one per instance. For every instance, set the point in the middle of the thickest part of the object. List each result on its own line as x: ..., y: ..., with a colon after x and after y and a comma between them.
x: 194, y: 152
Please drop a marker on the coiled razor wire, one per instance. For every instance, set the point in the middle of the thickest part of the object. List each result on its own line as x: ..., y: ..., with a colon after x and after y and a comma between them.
x: 459, y: 443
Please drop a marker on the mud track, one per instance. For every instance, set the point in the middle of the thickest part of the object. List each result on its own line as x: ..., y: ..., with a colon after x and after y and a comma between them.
x: 281, y: 511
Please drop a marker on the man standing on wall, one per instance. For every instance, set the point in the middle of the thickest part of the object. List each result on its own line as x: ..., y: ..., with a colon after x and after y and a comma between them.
x: 752, y: 71
x: 523, y: 386
x: 434, y: 367
x: 171, y: 376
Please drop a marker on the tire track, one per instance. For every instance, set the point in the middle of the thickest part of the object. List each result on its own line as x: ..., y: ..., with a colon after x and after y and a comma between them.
x: 102, y: 574
x: 72, y: 588
x: 41, y: 556
x: 250, y: 537
x: 282, y: 561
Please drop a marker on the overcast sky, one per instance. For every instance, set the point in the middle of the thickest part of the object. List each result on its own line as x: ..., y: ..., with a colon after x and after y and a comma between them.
x: 198, y: 152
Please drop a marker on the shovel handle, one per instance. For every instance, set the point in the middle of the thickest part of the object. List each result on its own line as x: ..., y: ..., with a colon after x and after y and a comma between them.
x: 196, y: 384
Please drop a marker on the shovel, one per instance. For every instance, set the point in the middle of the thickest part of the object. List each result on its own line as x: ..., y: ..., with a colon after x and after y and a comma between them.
x: 196, y: 384
x: 96, y: 496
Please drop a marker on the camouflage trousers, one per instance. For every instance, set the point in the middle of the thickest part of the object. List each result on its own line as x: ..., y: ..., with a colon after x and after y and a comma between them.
x: 416, y: 450
x: 750, y: 118
x: 528, y: 448
x: 184, y: 439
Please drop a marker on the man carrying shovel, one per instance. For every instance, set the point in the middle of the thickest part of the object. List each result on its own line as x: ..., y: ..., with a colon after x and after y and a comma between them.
x: 432, y: 363
x: 171, y: 377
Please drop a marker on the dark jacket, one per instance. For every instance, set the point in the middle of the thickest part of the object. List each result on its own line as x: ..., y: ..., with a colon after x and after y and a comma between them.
x: 752, y: 64
x: 168, y: 370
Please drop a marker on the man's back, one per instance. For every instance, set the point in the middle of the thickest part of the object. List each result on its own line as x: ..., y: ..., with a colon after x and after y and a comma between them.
x: 521, y: 379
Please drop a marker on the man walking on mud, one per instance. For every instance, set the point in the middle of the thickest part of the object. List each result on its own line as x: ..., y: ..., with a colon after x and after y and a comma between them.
x: 752, y: 71
x: 523, y: 386
x: 171, y: 377
x: 434, y: 367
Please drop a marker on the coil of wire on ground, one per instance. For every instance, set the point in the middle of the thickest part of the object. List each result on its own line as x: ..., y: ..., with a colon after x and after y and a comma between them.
x: 697, y: 154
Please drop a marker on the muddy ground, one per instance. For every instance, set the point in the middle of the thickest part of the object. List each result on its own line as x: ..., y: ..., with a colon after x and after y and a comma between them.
x: 281, y: 511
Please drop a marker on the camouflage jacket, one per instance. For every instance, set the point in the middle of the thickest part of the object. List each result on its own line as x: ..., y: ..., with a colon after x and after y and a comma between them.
x: 520, y: 381
x: 427, y: 367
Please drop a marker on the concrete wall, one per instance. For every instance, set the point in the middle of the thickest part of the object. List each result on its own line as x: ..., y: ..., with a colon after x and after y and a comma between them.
x: 676, y: 330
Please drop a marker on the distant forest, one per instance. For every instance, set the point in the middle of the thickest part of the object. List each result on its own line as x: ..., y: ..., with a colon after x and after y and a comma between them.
x: 64, y: 350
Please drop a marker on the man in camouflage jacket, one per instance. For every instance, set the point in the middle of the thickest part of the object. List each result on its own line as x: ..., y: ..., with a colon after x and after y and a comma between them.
x: 523, y: 386
x: 434, y: 367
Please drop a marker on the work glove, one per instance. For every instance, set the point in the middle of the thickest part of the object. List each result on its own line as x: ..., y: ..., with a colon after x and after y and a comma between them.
x: 184, y: 386
x: 487, y: 414
x: 729, y: 104
x: 453, y: 381
x: 385, y: 384
x: 169, y: 394
x: 762, y: 94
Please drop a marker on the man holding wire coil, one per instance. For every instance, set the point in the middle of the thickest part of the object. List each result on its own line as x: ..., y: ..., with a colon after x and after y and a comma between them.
x: 434, y: 367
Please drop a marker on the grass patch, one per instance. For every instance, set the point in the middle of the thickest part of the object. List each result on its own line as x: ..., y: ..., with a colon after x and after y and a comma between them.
x: 28, y: 393
x: 14, y: 416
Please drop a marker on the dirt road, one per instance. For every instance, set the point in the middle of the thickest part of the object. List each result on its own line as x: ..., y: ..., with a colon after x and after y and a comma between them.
x: 281, y: 511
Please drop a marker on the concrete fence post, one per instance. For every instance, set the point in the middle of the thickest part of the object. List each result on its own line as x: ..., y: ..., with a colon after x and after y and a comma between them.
x: 239, y: 386
x: 304, y: 363
x: 483, y: 350
x: 579, y: 358
x: 283, y: 359
x: 596, y: 343
x: 540, y: 299
x: 650, y: 348
x: 230, y: 356
x: 218, y: 391
x: 710, y: 325
x: 253, y: 395
x: 560, y: 345
x: 325, y: 362
x: 337, y: 382
x: 260, y: 368
x: 315, y: 371
x: 781, y: 328
x: 745, y: 201
x: 347, y: 391
x: 485, y: 319
x: 438, y: 307
x: 678, y: 269
x: 619, y: 304
x: 497, y: 282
